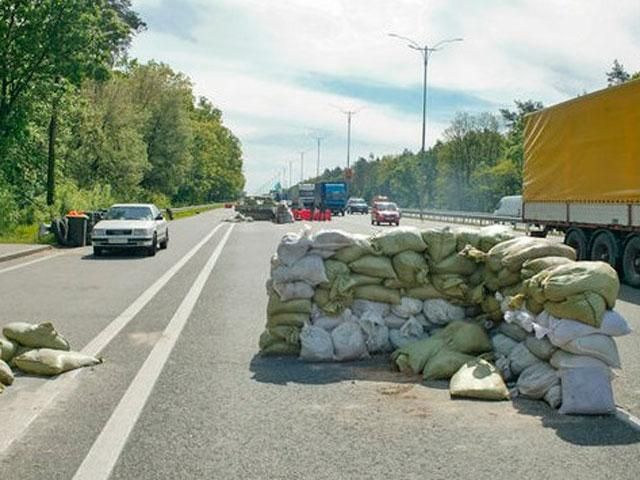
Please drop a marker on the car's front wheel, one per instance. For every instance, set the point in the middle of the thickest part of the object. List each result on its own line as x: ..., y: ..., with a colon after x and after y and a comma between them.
x: 151, y: 251
x: 98, y: 251
x: 165, y: 243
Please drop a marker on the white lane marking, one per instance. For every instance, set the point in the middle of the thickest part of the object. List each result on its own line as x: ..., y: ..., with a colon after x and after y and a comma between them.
x: 20, y: 413
x: 31, y: 262
x: 626, y: 417
x: 107, y: 448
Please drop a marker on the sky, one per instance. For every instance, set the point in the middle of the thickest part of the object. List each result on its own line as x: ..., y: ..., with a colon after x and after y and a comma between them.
x: 284, y: 71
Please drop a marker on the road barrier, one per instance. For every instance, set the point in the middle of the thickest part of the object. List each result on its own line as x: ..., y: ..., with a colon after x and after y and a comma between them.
x: 477, y: 218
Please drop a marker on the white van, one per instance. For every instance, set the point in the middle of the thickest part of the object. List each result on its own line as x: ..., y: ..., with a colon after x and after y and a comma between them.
x: 510, y: 206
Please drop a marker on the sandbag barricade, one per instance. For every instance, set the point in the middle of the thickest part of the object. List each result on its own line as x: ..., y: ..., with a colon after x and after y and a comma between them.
x: 444, y: 301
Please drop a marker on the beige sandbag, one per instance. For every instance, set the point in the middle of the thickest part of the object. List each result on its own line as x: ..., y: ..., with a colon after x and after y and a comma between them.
x: 441, y: 242
x: 392, y: 242
x: 444, y: 364
x: 359, y: 280
x: 450, y: 286
x: 374, y: 266
x: 6, y: 375
x: 536, y: 265
x: 276, y: 306
x: 279, y: 348
x: 586, y: 307
x: 7, y: 349
x: 413, y: 357
x: 465, y: 337
x: 287, y: 320
x: 492, y: 235
x: 411, y: 268
x: 564, y: 281
x: 500, y: 250
x: 478, y: 379
x: 377, y: 293
x: 286, y: 333
x: 43, y: 335
x: 540, y: 248
x: 456, y: 264
x: 425, y: 292
x: 467, y: 236
x: 48, y: 362
x: 353, y: 252
x: 322, y: 297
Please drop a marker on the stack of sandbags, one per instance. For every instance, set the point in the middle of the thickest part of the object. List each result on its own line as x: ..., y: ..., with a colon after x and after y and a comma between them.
x: 37, y: 350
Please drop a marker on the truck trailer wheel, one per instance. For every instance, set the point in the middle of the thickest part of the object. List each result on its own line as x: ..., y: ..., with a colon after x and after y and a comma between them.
x: 605, y: 248
x: 631, y: 261
x: 577, y: 239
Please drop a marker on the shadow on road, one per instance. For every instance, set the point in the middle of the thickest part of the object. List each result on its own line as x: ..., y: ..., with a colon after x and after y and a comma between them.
x: 629, y: 294
x: 583, y: 430
x: 115, y: 256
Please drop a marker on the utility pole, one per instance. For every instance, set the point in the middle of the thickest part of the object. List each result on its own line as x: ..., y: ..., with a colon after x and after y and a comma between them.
x: 301, y: 166
x: 318, y: 161
x: 349, y: 114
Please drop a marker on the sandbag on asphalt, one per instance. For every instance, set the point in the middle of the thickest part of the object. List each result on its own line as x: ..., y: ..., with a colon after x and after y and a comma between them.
x: 441, y: 312
x: 277, y: 306
x: 478, y: 379
x: 315, y: 344
x: 329, y: 322
x: 411, y: 268
x: 285, y: 333
x: 269, y: 346
x: 535, y: 381
x: 293, y: 247
x: 441, y: 242
x: 332, y: 240
x: 597, y: 346
x: 411, y: 331
x: 7, y: 349
x: 6, y: 375
x: 308, y: 269
x: 554, y: 396
x: 377, y: 293
x: 374, y: 266
x: 562, y: 360
x: 465, y: 337
x: 561, y: 331
x: 521, y: 358
x: 376, y: 334
x: 586, y: 391
x: 49, y: 362
x: 349, y: 342
x: 408, y: 307
x: 43, y: 335
x: 444, y: 364
x: 413, y: 357
x: 398, y: 240
x: 287, y: 319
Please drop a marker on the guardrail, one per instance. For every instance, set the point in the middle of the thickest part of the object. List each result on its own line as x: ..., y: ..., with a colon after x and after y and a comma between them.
x: 192, y: 207
x: 477, y: 218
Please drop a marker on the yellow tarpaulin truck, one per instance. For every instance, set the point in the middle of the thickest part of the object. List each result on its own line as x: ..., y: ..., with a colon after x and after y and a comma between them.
x: 582, y: 175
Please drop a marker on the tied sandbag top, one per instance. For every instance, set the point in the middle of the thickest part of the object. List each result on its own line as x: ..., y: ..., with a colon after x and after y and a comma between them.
x: 398, y: 240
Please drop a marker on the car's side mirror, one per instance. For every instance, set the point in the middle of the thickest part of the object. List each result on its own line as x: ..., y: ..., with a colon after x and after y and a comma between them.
x: 159, y: 217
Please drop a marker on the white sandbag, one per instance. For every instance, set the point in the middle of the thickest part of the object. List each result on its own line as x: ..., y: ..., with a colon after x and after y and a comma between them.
x: 586, y: 391
x: 293, y: 290
x: 597, y: 346
x: 408, y: 307
x: 315, y: 344
x: 43, y: 335
x: 309, y: 269
x: 562, y: 331
x: 394, y: 322
x: 293, y: 247
x: 554, y: 396
x: 536, y: 380
x: 522, y: 317
x: 427, y: 325
x: 349, y: 342
x: 521, y: 358
x: 441, y: 312
x: 361, y: 306
x: 376, y: 333
x: 478, y: 379
x: 502, y: 344
x: 6, y: 374
x: 562, y: 360
x: 49, y: 362
x: 540, y: 347
x: 322, y: 253
x: 412, y: 328
x: 332, y: 240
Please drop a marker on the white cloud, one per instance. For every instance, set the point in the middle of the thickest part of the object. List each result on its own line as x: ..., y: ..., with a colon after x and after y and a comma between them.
x: 248, y: 56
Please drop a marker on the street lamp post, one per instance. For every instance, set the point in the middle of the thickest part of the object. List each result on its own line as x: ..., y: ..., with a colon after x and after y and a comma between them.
x: 426, y: 51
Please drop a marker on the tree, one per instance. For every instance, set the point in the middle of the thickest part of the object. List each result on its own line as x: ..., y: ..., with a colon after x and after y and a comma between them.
x: 515, y: 121
x: 617, y: 75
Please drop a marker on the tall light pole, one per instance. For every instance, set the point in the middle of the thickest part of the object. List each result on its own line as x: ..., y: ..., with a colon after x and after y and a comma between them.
x: 318, y: 139
x: 426, y: 51
x: 290, y: 173
x: 301, y: 166
x: 349, y: 114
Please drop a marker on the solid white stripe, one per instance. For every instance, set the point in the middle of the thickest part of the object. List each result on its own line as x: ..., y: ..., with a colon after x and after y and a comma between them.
x: 18, y: 420
x: 106, y: 450
x: 31, y: 262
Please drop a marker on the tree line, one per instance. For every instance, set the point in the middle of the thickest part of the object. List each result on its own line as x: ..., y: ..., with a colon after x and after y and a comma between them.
x: 479, y: 160
x: 82, y: 125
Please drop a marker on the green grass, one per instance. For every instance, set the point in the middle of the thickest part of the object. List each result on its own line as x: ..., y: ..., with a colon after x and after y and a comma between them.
x: 196, y: 211
x: 26, y: 234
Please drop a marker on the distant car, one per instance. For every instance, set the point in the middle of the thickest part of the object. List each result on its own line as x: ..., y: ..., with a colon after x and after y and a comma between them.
x: 357, y: 205
x: 509, y: 206
x: 385, y: 212
x: 131, y: 225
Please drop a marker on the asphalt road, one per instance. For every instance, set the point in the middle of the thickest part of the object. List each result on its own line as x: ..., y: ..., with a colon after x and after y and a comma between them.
x: 182, y: 393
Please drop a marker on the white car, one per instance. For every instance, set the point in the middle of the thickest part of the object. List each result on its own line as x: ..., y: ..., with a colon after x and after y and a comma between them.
x: 131, y: 225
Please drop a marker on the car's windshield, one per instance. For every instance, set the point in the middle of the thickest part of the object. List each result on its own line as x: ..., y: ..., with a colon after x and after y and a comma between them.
x: 357, y: 200
x: 129, y: 213
x: 387, y: 206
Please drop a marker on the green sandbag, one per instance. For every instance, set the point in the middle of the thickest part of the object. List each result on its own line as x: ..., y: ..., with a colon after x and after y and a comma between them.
x: 478, y: 379
x: 588, y: 307
x: 450, y: 286
x: 7, y: 349
x: 444, y: 364
x: 287, y: 320
x: 322, y: 297
x: 398, y: 284
x: 506, y: 278
x: 354, y: 252
x: 540, y: 347
x: 477, y: 277
x: 491, y: 307
x: 533, y: 306
x: 454, y: 264
x: 413, y: 357
x: 392, y: 242
x: 490, y: 280
x: 467, y: 236
x: 475, y: 295
x: 374, y: 266
x: 532, y: 267
x: 538, y: 248
x: 377, y: 293
x: 358, y: 280
x: 441, y: 242
x: 512, y: 290
x: 276, y: 306
x: 286, y: 333
x: 566, y: 280
x: 465, y: 337
x: 502, y: 249
x: 335, y: 269
x: 411, y: 268
x: 425, y: 292
x: 49, y: 362
x: 43, y: 335
x: 277, y: 348
x: 6, y: 375
x: 492, y: 235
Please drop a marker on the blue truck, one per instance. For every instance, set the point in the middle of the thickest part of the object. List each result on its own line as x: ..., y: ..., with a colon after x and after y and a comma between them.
x: 332, y: 196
